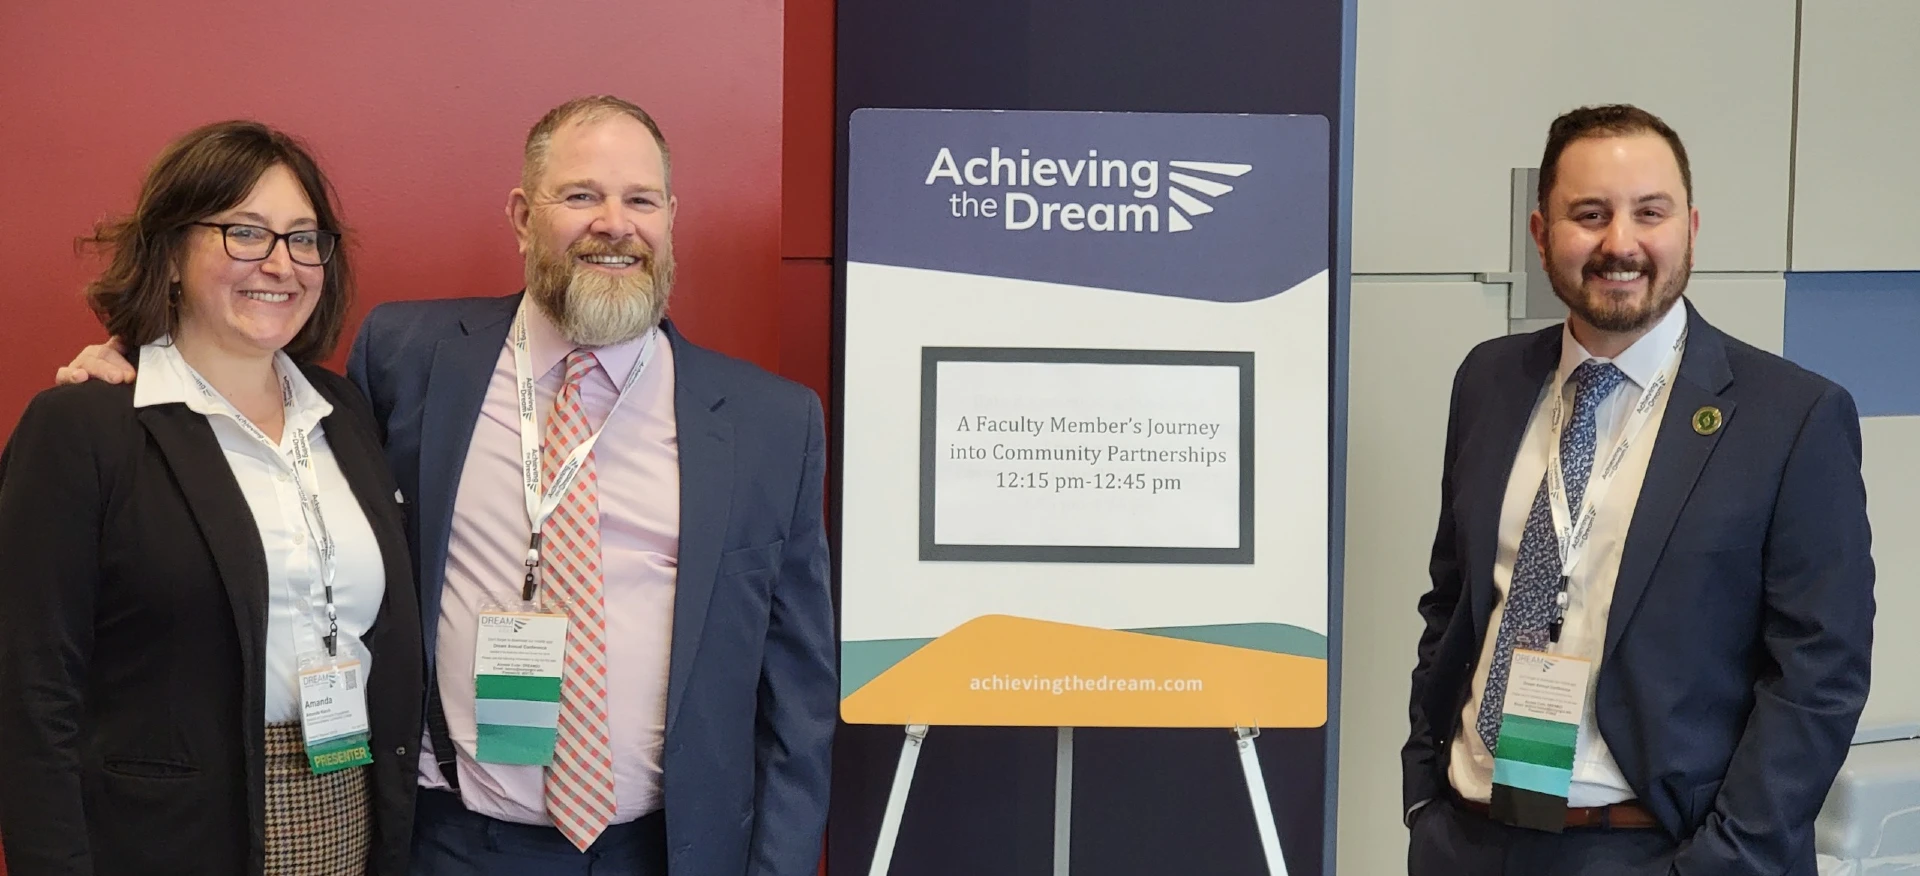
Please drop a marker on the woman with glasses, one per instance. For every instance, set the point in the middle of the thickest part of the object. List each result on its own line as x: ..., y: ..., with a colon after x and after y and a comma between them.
x: 210, y: 657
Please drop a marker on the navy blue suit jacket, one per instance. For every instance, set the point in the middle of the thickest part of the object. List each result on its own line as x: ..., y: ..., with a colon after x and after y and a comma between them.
x: 1736, y: 654
x: 751, y: 688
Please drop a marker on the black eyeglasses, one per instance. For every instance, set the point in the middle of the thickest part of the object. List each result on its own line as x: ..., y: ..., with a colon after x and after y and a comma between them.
x: 251, y: 243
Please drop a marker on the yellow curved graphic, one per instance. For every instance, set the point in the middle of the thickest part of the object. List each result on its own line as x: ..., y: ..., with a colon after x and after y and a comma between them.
x: 1003, y: 671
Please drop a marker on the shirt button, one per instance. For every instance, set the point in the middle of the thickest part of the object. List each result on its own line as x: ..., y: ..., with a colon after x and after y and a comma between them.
x: 402, y: 751
x: 299, y: 538
x: 281, y: 477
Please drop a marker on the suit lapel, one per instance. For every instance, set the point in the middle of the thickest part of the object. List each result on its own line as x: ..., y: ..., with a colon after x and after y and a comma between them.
x: 1679, y: 454
x: 1506, y: 426
x: 706, y: 491
x: 220, y: 512
x: 456, y: 388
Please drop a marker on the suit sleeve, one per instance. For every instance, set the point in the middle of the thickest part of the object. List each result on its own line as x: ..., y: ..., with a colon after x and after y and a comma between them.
x: 1817, y: 633
x: 1418, y: 758
x: 798, y: 685
x: 51, y: 503
x: 357, y: 359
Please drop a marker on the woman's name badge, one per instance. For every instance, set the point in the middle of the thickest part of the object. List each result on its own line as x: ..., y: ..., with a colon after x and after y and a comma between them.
x: 516, y: 680
x: 333, y: 715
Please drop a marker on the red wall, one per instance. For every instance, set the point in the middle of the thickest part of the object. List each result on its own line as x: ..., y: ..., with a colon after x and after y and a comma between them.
x: 417, y: 110
x: 806, y: 236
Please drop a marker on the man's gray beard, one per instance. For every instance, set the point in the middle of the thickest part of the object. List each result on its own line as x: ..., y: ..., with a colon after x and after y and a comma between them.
x: 594, y: 310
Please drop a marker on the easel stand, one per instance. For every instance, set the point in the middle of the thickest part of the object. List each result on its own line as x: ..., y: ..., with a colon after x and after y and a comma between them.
x: 1257, y: 792
x: 897, y: 800
x: 1063, y: 800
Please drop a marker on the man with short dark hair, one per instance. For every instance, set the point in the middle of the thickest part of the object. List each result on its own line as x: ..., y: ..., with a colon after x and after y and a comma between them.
x: 1647, y: 641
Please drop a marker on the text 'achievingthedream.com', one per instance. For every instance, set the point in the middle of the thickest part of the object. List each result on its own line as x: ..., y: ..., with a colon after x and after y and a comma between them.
x: 1059, y: 685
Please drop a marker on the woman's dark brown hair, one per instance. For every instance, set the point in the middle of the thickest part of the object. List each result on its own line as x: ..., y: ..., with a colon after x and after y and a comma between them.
x: 208, y: 170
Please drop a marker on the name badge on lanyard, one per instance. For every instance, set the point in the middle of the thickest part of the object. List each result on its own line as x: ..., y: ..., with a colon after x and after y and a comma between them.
x: 521, y: 648
x: 517, y: 659
x: 333, y: 714
x: 1539, y: 733
x: 331, y: 685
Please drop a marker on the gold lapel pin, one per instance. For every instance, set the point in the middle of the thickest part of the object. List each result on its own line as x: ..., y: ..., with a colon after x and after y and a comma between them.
x: 1708, y: 420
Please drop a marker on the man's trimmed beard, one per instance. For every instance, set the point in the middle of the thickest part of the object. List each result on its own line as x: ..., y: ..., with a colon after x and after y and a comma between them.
x: 1602, y: 312
x: 593, y: 308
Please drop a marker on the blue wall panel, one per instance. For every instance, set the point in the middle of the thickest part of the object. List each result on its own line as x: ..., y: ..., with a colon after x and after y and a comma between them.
x: 1862, y: 331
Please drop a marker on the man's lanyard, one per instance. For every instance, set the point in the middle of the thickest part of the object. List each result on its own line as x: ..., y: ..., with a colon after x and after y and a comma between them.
x: 540, y: 505
x: 1573, y: 539
x: 304, y: 481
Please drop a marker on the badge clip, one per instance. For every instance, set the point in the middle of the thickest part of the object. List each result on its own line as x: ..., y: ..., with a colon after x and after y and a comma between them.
x: 533, y: 563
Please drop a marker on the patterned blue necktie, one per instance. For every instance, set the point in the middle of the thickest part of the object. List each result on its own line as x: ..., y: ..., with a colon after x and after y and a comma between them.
x: 1536, y: 571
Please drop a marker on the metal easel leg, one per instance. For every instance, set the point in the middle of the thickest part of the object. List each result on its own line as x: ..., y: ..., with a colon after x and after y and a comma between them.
x: 897, y: 800
x: 1262, y: 807
x: 1062, y: 801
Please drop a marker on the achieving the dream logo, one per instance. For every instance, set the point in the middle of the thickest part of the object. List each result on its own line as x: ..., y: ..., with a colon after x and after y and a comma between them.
x: 1106, y: 194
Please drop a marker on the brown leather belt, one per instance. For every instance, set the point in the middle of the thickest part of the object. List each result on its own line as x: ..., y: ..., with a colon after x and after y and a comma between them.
x: 1619, y: 816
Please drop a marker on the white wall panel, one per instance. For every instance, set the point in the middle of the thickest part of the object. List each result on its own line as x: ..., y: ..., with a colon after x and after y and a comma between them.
x: 1407, y: 340
x: 1856, y: 180
x: 1451, y: 96
x: 1753, y: 309
x: 1892, y: 472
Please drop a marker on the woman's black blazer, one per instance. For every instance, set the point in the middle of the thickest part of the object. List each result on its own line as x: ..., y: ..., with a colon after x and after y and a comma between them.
x: 133, y: 612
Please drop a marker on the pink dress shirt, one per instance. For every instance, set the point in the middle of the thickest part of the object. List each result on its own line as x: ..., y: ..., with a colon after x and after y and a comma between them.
x: 638, y: 463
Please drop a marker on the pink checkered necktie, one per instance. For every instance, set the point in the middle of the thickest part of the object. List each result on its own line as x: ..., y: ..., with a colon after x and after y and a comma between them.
x: 580, y: 778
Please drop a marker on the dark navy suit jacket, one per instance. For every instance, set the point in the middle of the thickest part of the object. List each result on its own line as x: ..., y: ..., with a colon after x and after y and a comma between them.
x: 751, y: 689
x: 1736, y: 654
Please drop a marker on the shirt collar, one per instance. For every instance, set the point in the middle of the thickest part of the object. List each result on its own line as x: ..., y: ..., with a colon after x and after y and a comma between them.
x: 548, y: 349
x: 1642, y: 361
x: 164, y: 377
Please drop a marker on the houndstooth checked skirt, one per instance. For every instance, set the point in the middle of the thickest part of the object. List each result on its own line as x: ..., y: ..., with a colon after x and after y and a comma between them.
x: 316, y: 825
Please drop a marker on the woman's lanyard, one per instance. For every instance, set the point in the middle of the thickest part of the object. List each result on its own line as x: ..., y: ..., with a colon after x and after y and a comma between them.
x: 541, y: 505
x: 1573, y: 539
x: 304, y: 481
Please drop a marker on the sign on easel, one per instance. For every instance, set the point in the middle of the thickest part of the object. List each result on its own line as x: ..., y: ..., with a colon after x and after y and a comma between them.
x: 1084, y: 476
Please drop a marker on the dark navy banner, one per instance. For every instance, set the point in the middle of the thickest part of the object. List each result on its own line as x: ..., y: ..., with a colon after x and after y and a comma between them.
x: 1210, y: 206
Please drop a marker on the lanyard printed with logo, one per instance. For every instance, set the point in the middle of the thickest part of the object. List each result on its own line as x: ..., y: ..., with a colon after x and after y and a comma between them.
x: 333, y: 704
x: 541, y: 506
x: 519, y: 651
x: 304, y: 483
x: 1573, y: 538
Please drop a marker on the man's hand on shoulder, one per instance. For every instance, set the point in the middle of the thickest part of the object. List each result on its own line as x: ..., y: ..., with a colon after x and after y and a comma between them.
x: 104, y: 362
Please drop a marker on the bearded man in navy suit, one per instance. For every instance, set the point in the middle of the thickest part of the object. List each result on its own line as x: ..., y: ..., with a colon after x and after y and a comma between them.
x: 1648, y: 635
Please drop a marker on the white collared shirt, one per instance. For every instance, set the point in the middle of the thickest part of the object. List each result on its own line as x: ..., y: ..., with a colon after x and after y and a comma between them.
x: 295, y: 597
x: 1597, y: 780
